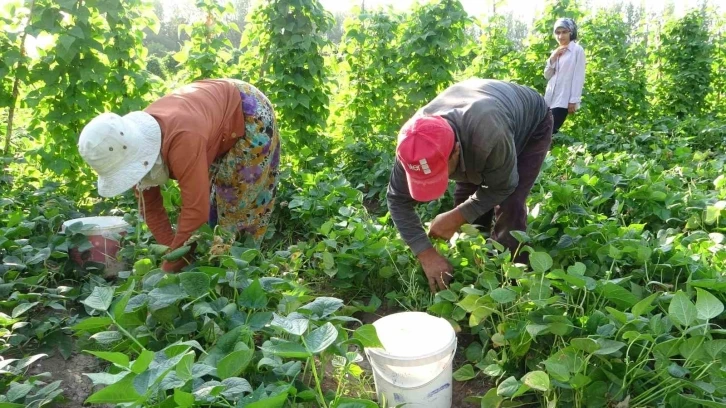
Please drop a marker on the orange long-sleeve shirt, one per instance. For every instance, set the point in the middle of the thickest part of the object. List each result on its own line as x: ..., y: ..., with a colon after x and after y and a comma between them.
x: 199, y: 123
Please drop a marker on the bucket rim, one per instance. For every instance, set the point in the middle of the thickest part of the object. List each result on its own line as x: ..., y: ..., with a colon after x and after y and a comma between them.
x: 115, y: 222
x: 380, y: 352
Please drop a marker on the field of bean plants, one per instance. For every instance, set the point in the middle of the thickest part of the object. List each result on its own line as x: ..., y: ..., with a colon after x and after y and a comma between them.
x: 622, y: 304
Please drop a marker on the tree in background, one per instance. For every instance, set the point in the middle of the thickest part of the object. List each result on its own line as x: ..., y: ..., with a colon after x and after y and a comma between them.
x: 208, y: 52
x: 167, y: 38
x: 432, y: 43
x: 155, y: 65
x: 172, y: 15
x: 284, y: 41
x: 13, y: 64
x: 335, y: 34
x: 495, y: 49
x: 241, y: 8
x: 682, y: 65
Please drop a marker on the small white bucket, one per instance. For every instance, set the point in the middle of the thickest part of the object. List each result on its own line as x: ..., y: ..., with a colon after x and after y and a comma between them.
x: 415, y: 368
x: 102, y: 232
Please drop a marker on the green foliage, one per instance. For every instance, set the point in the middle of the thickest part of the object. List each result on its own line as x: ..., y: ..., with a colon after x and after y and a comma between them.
x: 372, y: 72
x: 292, y: 329
x: 495, y: 52
x: 683, y: 63
x: 615, y: 75
x: 718, y: 69
x: 169, y: 64
x: 208, y: 52
x: 12, y: 42
x: 96, y: 65
x: 370, y: 162
x: 432, y: 43
x: 154, y: 66
x: 285, y: 40
x: 11, y: 18
x: 622, y: 302
x: 590, y: 293
x: 370, y: 98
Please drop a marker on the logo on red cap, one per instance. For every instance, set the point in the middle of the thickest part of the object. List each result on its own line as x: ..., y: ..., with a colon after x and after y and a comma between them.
x: 422, y: 166
x: 424, y: 146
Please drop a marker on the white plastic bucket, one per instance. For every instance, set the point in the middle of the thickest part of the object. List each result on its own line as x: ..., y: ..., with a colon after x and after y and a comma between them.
x: 415, y: 368
x: 102, y: 232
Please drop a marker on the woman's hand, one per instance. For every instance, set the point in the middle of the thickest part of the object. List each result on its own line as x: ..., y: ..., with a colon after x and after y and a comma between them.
x: 557, y: 54
x: 174, y: 266
x: 177, y: 265
x: 572, y: 107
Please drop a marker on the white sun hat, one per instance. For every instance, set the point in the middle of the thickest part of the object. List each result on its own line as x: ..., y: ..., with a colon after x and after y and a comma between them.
x: 122, y: 150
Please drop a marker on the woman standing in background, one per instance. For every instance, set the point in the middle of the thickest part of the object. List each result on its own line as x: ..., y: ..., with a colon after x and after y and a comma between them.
x: 565, y: 73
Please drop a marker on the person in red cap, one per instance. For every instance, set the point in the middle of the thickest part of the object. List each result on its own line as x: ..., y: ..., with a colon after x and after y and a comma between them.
x: 491, y: 137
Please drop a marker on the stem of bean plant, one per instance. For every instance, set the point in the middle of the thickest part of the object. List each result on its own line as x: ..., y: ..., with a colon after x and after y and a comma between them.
x: 124, y: 331
x: 343, y: 371
x: 311, y: 361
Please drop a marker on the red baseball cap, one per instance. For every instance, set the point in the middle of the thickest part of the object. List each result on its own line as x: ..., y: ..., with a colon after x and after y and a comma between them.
x: 424, y: 146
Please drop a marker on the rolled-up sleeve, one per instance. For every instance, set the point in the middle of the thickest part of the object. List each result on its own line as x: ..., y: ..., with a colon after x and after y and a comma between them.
x: 403, y: 213
x: 189, y: 165
x: 500, y: 179
x: 151, y: 205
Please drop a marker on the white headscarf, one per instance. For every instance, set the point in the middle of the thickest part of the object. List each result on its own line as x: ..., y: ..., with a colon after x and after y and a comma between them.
x: 567, y: 23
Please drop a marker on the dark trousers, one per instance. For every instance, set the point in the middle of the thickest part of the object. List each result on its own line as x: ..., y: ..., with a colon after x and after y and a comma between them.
x: 559, y: 115
x: 511, y: 214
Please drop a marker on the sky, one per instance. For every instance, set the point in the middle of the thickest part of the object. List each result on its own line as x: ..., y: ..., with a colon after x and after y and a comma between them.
x: 525, y: 10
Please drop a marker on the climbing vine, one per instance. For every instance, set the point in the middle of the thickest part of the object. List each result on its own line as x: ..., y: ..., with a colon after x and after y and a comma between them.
x: 285, y: 40
x: 495, y: 52
x: 208, y: 52
x: 683, y: 65
x: 432, y: 43
x: 718, y: 67
x: 96, y: 65
x: 614, y: 77
x: 371, y: 68
x: 14, y: 61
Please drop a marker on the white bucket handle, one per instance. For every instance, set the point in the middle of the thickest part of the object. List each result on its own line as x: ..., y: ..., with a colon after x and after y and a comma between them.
x: 380, y: 372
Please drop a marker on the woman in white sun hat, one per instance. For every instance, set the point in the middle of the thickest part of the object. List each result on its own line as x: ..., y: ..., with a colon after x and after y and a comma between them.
x: 218, y: 138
